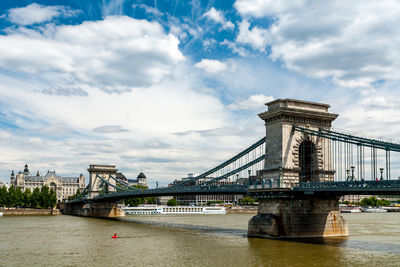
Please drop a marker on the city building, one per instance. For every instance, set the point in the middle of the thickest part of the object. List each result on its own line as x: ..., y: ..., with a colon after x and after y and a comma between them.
x: 140, y: 180
x: 162, y: 200
x: 203, y: 199
x: 62, y: 186
x: 353, y: 198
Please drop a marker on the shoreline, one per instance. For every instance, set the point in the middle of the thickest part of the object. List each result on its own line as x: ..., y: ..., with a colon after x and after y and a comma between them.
x: 242, y: 210
x: 30, y: 212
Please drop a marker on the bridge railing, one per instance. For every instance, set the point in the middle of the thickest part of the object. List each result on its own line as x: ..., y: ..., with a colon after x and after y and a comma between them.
x: 384, y: 185
x: 268, y: 183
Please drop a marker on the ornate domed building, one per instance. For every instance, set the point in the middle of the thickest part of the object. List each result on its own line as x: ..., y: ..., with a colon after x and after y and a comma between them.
x: 140, y: 180
x: 62, y: 186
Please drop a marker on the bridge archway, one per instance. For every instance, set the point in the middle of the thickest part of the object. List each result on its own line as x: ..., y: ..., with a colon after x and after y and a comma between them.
x: 308, y: 161
x: 105, y: 171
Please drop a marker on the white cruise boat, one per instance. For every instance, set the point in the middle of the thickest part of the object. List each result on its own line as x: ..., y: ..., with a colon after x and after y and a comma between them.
x: 373, y: 210
x: 153, y: 210
x: 350, y: 210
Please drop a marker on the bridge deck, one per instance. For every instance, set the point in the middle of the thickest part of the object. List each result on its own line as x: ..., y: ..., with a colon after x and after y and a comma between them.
x: 385, y: 187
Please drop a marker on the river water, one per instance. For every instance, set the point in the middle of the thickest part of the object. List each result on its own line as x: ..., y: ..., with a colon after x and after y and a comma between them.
x: 189, y: 240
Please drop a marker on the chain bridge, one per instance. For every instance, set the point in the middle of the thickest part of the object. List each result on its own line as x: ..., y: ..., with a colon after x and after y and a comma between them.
x: 297, y: 172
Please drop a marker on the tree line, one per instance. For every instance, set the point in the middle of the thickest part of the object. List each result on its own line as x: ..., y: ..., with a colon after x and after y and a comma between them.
x: 43, y: 198
x: 371, y: 201
x: 374, y: 202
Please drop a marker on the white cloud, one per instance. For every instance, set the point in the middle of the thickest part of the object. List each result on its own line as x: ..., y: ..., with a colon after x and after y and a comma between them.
x: 116, y: 53
x: 256, y: 37
x: 112, y: 7
x: 109, y: 129
x: 148, y: 9
x: 211, y: 66
x: 235, y: 47
x: 355, y: 43
x: 264, y: 8
x: 252, y: 102
x: 35, y: 13
x: 218, y: 17
x: 133, y: 130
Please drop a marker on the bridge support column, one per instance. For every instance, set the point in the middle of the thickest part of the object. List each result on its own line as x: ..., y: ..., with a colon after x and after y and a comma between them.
x: 93, y: 209
x: 298, y: 218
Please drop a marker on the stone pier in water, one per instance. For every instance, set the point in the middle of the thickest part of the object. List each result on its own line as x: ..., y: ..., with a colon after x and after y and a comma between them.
x: 292, y: 157
x: 93, y: 209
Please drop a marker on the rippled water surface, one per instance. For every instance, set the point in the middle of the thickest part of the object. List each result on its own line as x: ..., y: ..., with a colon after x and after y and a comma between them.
x: 189, y: 240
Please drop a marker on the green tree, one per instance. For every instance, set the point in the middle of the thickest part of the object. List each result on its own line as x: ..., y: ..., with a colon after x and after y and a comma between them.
x: 44, y: 197
x: 78, y: 192
x: 151, y: 200
x: 35, y: 198
x: 19, y: 201
x: 172, y: 202
x: 383, y: 202
x: 26, y: 198
x: 11, y: 197
x: 373, y: 201
x: 3, y: 196
x: 52, y: 200
x: 368, y: 201
x: 247, y: 201
x: 134, y: 202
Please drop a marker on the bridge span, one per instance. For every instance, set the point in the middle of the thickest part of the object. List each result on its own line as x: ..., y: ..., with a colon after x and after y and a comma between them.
x: 297, y: 172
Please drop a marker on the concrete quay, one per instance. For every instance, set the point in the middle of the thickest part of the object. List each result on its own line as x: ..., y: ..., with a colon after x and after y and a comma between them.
x: 29, y: 212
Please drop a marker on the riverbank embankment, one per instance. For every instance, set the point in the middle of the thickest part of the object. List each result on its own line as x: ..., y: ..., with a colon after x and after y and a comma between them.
x: 29, y: 212
x: 242, y: 210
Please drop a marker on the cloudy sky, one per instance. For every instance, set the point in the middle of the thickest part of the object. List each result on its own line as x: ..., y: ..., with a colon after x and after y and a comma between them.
x: 173, y: 87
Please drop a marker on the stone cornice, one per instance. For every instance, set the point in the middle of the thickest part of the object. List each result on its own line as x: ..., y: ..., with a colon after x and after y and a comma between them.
x: 298, y: 116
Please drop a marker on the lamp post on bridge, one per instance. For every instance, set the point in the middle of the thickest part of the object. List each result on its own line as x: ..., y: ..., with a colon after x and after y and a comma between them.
x: 352, y: 173
x: 381, y: 169
x: 280, y: 176
x: 249, y: 172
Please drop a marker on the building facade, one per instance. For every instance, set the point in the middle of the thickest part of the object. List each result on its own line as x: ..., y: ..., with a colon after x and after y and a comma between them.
x: 62, y: 186
x: 141, y: 180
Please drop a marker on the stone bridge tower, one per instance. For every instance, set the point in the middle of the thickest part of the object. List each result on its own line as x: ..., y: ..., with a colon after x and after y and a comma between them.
x: 292, y: 156
x: 105, y: 171
x: 103, y: 209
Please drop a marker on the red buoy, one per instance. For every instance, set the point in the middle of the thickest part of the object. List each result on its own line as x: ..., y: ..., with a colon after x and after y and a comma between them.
x: 115, y: 236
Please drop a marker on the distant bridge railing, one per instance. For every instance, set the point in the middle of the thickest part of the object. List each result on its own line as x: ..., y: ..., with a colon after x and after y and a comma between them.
x: 382, y: 186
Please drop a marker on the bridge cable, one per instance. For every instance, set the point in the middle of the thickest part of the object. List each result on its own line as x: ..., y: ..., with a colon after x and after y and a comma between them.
x: 222, y: 165
x: 123, y: 183
x: 110, y: 184
x: 260, y: 158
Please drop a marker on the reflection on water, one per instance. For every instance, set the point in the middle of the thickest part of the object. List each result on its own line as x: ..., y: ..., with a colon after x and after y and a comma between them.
x: 189, y: 240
